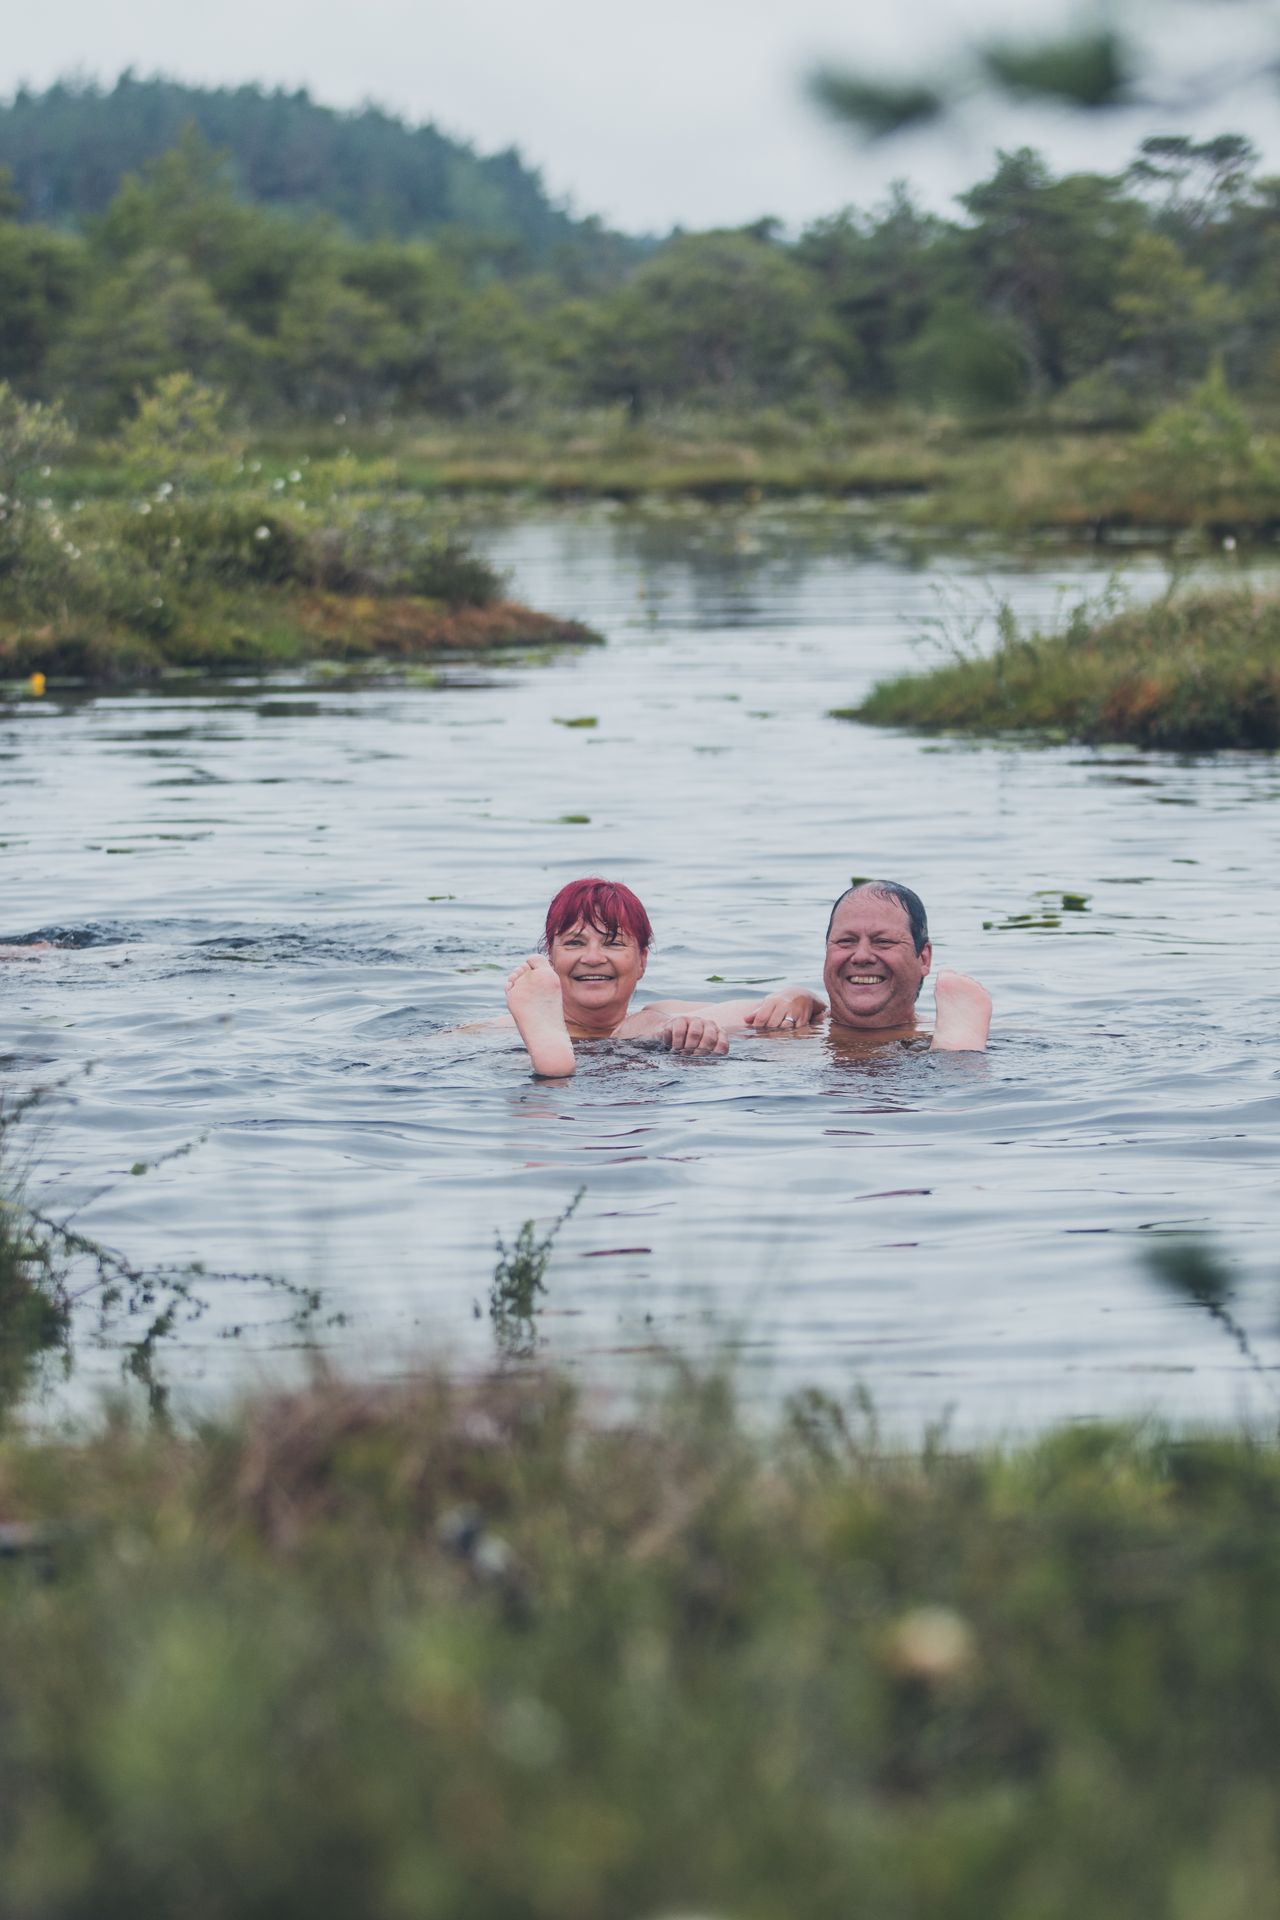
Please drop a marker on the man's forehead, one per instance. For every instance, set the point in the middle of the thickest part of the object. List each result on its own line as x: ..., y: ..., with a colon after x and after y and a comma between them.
x: 867, y: 908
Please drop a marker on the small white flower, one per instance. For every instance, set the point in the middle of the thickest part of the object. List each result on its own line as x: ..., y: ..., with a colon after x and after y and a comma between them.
x: 157, y: 602
x: 255, y: 466
x: 339, y: 419
x: 262, y: 533
x: 164, y: 490
x: 295, y: 476
x: 45, y: 472
x: 277, y: 486
x: 145, y: 507
x: 44, y: 505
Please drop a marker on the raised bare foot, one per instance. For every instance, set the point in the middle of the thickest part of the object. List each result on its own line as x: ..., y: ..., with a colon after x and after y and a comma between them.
x: 537, y: 1007
x: 963, y: 1014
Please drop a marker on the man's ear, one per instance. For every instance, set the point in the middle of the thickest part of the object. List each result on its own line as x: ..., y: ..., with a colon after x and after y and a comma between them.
x: 926, y: 956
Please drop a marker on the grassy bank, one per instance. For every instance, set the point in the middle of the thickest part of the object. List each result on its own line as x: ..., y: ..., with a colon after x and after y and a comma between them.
x: 452, y: 1649
x: 1203, y: 465
x: 124, y: 590
x: 1192, y: 672
x: 943, y: 475
x: 177, y: 549
x: 1200, y: 466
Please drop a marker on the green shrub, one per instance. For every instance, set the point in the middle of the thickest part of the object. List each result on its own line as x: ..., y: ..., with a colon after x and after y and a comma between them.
x: 392, y: 549
x: 229, y: 540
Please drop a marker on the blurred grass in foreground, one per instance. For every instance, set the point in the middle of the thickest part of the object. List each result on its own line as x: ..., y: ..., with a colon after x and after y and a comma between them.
x: 458, y: 1647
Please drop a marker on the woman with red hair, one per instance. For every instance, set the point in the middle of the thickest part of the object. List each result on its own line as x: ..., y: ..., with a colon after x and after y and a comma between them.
x: 594, y: 951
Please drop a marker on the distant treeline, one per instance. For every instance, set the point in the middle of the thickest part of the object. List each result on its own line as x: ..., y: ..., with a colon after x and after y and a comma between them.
x: 1095, y: 297
x: 68, y: 148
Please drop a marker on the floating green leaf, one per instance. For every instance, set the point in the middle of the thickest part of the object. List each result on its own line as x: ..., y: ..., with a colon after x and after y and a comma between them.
x: 578, y: 720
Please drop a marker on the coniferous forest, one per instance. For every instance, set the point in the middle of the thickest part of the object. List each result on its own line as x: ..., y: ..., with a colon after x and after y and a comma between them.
x: 310, y: 263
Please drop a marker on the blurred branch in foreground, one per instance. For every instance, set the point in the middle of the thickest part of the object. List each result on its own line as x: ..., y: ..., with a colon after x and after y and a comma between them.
x: 1096, y: 69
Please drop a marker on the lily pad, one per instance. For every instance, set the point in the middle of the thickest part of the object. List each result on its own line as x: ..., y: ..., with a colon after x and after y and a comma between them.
x: 578, y: 720
x: 1071, y: 902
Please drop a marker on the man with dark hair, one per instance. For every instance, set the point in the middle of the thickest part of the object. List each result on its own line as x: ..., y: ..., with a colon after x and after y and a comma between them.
x: 878, y: 953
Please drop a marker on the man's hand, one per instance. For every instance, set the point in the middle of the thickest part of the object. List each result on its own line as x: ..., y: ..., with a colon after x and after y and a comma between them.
x: 793, y: 1007
x: 694, y: 1033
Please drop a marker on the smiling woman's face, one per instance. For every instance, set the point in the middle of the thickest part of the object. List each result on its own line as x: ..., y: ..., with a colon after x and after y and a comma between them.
x: 598, y: 974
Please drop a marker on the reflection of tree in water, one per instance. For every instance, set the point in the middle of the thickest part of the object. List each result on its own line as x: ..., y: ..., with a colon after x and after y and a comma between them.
x: 735, y: 562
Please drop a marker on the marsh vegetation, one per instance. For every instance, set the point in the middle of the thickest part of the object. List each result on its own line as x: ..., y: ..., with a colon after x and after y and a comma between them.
x: 454, y: 1646
x: 1191, y: 672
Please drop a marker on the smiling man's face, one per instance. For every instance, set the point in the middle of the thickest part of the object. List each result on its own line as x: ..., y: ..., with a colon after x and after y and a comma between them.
x: 873, y: 973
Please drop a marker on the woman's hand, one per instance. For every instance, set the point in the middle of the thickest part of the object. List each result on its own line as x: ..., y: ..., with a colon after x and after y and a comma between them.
x: 694, y: 1033
x: 793, y: 1007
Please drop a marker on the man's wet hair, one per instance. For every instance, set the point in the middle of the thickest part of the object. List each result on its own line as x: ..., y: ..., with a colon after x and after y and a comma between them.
x: 911, y: 903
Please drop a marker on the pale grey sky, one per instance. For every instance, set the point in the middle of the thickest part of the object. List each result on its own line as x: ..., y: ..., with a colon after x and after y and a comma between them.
x: 656, y: 113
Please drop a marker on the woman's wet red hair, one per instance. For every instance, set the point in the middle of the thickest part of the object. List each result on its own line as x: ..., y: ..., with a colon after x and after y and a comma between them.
x: 604, y: 904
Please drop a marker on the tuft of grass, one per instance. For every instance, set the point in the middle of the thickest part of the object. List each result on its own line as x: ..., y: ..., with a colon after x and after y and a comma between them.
x: 519, y: 1282
x: 1194, y: 671
x: 456, y: 1646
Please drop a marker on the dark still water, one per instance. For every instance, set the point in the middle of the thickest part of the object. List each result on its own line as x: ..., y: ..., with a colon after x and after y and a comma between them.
x: 280, y: 899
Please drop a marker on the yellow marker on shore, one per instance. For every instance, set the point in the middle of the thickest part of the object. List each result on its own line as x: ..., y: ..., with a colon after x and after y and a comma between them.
x: 36, y: 684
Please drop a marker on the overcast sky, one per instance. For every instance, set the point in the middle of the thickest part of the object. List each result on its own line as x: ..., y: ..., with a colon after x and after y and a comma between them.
x: 652, y: 114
